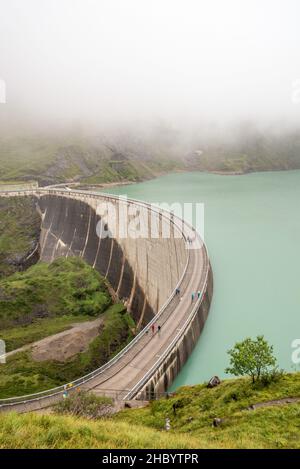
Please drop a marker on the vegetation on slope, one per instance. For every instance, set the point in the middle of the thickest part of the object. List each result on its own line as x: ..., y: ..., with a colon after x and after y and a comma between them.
x: 45, y: 300
x: 248, y: 150
x: 67, y: 287
x: 51, y: 431
x: 136, y: 157
x: 191, y: 426
x: 85, y: 404
x: 52, y: 160
x: 19, y: 233
x: 19, y: 336
x: 22, y: 375
x: 192, y: 410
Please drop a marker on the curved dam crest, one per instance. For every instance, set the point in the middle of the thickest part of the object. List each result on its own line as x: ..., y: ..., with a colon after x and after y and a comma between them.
x: 135, y: 268
x: 144, y: 273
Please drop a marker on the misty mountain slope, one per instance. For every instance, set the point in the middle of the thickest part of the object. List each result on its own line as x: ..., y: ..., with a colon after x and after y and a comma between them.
x: 96, y: 160
x: 248, y: 153
x: 52, y: 160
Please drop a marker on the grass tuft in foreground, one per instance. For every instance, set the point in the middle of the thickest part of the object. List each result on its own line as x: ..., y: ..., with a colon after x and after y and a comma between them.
x: 52, y: 431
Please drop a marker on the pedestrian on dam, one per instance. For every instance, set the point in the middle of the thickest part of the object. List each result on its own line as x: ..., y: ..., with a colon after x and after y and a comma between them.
x: 153, y: 328
x: 199, y: 294
x: 159, y: 328
x: 193, y: 296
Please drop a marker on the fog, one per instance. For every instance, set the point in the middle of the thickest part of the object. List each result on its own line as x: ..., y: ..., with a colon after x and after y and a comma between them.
x: 187, y: 63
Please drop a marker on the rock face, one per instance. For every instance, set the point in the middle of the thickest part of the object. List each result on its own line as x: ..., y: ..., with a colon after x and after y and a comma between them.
x: 217, y: 422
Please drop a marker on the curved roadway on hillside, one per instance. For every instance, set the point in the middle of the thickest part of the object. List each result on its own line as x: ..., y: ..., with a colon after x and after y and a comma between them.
x: 126, y: 375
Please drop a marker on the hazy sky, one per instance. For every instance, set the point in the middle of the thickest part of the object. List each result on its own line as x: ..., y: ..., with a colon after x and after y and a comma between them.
x: 116, y: 60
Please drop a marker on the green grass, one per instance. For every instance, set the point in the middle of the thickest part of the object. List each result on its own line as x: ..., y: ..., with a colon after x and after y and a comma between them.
x: 191, y: 427
x: 66, y: 287
x: 50, y: 431
x: 16, y: 337
x: 68, y: 158
x: 19, y: 232
x: 47, y: 299
x: 21, y: 375
x: 197, y: 406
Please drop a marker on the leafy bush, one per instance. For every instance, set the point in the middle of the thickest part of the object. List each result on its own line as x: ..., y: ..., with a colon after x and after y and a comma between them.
x: 86, y: 404
x: 251, y: 357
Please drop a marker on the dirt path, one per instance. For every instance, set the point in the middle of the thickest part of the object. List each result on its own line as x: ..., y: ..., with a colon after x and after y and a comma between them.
x: 65, y: 344
x: 285, y: 400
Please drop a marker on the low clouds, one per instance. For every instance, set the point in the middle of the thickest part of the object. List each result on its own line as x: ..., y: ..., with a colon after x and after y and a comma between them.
x: 110, y: 62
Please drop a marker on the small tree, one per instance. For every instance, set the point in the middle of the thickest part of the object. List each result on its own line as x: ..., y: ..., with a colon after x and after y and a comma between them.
x: 251, y: 357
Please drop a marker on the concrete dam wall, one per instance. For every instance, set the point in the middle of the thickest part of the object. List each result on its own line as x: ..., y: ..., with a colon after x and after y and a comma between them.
x: 165, y: 373
x: 142, y: 271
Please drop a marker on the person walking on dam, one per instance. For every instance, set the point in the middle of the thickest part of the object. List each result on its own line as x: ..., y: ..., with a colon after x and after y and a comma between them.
x: 199, y: 294
x: 153, y: 328
x: 193, y: 296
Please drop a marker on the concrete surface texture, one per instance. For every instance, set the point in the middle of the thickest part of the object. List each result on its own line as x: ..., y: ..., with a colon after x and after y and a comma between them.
x: 142, y: 271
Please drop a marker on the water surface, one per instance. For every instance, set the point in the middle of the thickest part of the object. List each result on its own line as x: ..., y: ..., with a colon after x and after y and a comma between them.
x: 252, y: 230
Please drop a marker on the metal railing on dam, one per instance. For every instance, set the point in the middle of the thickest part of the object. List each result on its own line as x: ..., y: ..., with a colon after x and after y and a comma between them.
x: 148, y: 364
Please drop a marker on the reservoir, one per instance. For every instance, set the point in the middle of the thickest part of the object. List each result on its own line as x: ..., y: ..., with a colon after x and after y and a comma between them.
x: 252, y: 231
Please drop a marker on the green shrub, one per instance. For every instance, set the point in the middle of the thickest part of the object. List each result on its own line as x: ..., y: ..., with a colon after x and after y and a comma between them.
x: 84, y: 404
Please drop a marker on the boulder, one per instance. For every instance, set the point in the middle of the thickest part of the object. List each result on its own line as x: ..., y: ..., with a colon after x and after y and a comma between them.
x: 213, y: 382
x: 217, y: 422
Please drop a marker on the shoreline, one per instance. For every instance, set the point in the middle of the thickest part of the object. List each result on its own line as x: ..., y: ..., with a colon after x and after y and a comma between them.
x: 107, y: 185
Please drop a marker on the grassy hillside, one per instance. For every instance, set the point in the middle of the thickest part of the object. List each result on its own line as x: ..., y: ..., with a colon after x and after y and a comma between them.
x: 19, y: 232
x: 197, y: 406
x: 45, y: 300
x: 22, y: 375
x: 191, y: 427
x: 67, y: 287
x: 250, y: 150
x: 52, y: 160
x: 135, y: 157
x: 50, y: 431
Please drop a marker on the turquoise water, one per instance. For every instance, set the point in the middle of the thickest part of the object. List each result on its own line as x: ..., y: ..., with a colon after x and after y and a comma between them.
x: 252, y: 230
